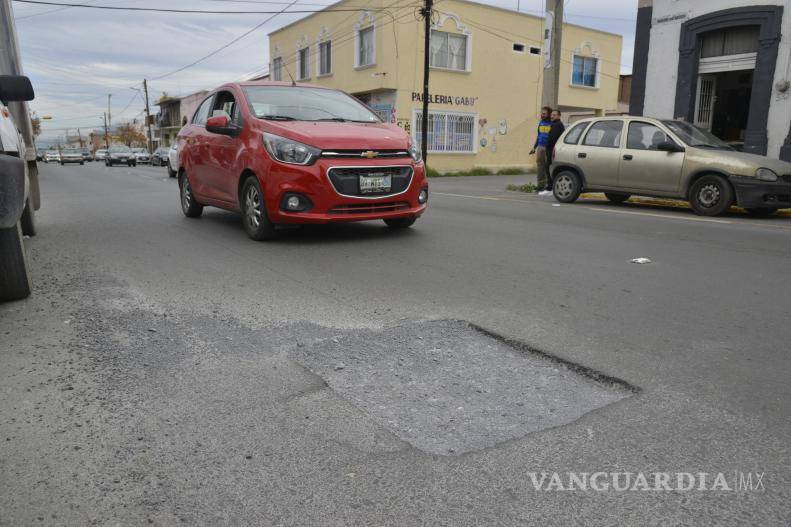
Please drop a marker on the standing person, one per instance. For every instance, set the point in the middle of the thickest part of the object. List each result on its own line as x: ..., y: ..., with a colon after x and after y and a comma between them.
x: 540, y: 149
x: 556, y: 130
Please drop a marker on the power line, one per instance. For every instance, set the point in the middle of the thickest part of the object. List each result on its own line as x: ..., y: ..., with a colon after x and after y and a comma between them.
x: 235, y: 40
x: 185, y: 11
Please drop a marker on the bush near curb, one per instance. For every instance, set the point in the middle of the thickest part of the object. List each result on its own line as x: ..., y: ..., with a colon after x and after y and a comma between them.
x: 477, y: 171
x: 527, y: 187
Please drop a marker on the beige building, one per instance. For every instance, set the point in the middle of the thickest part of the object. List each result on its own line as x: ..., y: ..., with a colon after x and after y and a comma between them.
x: 486, y: 73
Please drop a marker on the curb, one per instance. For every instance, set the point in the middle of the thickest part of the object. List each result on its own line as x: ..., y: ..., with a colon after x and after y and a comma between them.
x: 678, y: 204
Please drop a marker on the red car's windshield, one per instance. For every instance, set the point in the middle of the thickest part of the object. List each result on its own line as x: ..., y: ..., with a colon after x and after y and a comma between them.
x: 292, y: 103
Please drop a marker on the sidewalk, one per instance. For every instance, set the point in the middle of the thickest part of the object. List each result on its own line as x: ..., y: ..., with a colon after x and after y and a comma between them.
x: 497, y: 186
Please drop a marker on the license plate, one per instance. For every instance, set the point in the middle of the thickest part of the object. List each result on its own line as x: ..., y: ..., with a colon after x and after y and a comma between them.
x: 375, y: 183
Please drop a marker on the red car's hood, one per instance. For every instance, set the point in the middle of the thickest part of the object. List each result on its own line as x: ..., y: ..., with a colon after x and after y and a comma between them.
x: 342, y: 136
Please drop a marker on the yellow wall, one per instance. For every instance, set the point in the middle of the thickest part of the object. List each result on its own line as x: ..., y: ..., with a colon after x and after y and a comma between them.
x: 502, y: 84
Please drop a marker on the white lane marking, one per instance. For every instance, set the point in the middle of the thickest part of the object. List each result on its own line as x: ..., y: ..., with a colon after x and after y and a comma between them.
x: 488, y: 198
x: 708, y: 220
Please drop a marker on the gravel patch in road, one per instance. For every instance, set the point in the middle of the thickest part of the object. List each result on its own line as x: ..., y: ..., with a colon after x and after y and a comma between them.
x: 447, y: 388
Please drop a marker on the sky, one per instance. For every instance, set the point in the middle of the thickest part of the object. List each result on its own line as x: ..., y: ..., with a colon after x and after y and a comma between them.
x: 76, y: 56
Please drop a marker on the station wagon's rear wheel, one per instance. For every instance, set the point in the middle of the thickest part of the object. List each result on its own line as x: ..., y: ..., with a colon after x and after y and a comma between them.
x: 254, y: 218
x: 567, y: 187
x: 617, y: 199
x: 190, y: 207
x: 711, y: 196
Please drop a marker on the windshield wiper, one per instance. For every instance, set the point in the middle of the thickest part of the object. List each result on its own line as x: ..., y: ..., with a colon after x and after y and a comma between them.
x: 277, y: 118
x: 342, y: 120
x: 716, y: 147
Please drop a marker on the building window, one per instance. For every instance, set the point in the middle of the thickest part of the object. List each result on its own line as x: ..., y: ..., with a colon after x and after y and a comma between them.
x: 303, y: 57
x: 535, y: 51
x: 449, y: 133
x: 448, y: 51
x: 519, y: 48
x: 366, y: 53
x: 277, y: 69
x: 731, y: 41
x: 325, y: 58
x: 584, y: 71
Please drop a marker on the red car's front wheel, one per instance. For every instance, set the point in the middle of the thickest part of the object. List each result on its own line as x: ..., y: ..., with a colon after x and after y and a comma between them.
x: 254, y: 218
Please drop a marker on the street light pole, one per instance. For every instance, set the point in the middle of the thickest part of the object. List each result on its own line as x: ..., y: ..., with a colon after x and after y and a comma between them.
x: 553, y: 40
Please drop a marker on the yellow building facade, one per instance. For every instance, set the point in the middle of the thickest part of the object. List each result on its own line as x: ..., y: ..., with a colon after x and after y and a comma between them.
x: 486, y: 79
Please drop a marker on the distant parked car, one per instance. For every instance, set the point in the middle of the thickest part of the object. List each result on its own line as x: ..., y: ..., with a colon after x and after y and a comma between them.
x: 40, y: 152
x: 100, y: 155
x: 626, y: 155
x: 52, y: 155
x: 120, y: 155
x: 141, y: 155
x: 71, y: 155
x: 86, y: 155
x: 173, y: 160
x: 160, y: 157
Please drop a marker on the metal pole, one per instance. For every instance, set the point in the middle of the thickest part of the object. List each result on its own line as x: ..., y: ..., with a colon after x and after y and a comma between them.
x: 426, y: 50
x: 148, y: 120
x: 106, y: 133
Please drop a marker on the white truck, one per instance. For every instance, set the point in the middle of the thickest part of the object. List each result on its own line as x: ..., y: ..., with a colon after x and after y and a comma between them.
x: 18, y: 188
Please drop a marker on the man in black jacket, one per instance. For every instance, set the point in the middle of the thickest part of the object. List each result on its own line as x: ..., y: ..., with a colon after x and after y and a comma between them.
x: 555, y: 132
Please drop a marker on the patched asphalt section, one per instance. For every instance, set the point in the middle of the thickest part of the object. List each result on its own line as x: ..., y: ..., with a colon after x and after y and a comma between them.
x: 447, y: 387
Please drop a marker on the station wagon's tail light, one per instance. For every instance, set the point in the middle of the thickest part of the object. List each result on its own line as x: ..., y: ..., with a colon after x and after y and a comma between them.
x: 289, y: 151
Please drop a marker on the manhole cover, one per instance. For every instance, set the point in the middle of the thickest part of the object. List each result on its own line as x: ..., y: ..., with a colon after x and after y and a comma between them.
x: 447, y: 387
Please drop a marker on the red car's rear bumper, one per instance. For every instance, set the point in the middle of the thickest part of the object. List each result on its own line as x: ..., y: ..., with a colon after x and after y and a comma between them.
x: 328, y: 205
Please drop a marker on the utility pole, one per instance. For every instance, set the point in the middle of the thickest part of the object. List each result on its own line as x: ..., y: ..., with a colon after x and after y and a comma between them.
x: 79, y: 136
x: 553, y: 52
x: 148, y: 120
x: 109, y: 114
x: 426, y: 12
x: 106, y: 133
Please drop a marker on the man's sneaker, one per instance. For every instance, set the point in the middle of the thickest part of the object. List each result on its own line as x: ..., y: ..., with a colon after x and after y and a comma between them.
x: 545, y: 193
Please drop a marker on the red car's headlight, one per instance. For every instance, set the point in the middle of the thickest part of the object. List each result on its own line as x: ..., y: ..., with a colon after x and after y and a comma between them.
x: 289, y: 151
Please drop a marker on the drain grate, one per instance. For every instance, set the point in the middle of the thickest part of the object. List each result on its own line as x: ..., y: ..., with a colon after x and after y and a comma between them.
x: 448, y: 387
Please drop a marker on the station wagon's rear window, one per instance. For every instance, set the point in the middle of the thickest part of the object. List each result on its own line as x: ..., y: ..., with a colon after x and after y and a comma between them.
x: 573, y: 137
x: 604, y: 133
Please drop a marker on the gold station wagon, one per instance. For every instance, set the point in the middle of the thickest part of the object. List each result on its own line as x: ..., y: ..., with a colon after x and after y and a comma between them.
x: 625, y: 155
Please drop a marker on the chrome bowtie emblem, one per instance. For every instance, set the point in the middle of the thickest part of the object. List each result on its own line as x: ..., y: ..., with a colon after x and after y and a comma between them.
x: 369, y: 154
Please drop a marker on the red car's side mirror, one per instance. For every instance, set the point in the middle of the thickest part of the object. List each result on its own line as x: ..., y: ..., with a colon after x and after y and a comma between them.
x: 217, y: 123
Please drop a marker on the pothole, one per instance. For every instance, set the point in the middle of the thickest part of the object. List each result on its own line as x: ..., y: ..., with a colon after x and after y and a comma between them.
x: 447, y: 387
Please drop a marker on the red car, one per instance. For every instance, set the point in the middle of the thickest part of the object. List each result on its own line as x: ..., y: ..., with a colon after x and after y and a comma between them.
x: 295, y: 154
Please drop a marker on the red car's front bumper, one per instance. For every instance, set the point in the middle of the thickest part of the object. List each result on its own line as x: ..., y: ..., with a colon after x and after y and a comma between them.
x: 329, y: 205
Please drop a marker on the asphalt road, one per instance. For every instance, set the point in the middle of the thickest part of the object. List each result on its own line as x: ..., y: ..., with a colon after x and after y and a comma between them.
x: 172, y: 371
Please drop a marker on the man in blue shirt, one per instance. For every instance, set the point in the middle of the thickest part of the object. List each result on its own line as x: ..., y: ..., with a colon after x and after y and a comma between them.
x: 540, y: 149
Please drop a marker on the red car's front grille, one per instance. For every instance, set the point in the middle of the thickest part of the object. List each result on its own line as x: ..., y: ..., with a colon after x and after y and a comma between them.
x: 369, y: 208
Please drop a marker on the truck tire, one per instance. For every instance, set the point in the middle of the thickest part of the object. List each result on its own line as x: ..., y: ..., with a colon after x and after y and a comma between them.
x: 28, y: 220
x: 14, y: 278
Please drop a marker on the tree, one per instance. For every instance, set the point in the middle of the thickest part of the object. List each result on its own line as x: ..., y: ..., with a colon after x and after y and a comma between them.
x: 35, y: 124
x: 129, y: 135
